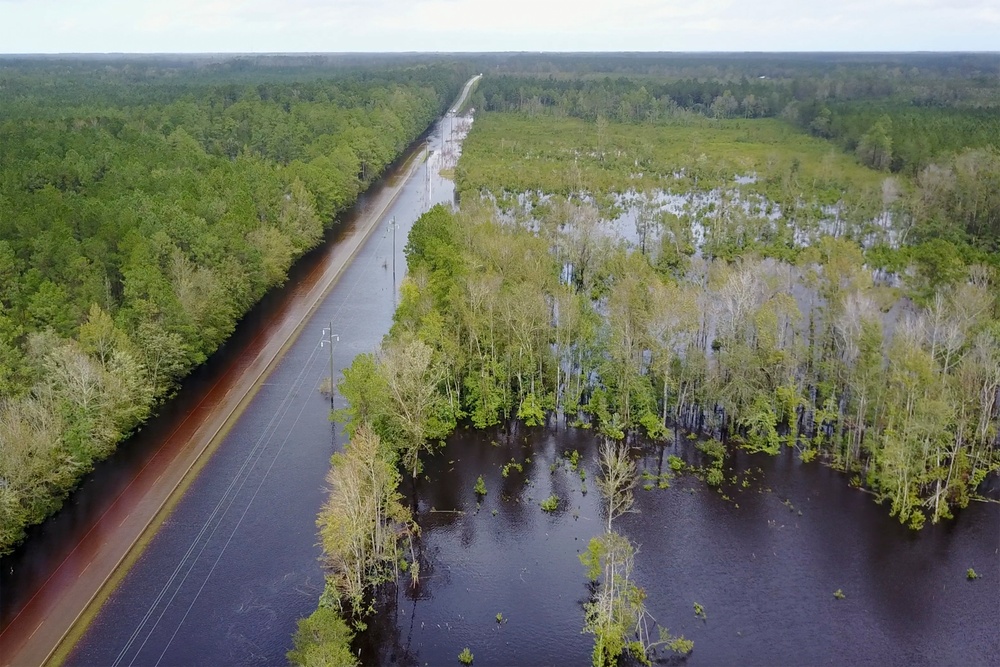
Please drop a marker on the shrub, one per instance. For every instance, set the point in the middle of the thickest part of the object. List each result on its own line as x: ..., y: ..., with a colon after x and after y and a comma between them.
x: 551, y: 503
x: 680, y: 645
x: 323, y: 638
x: 573, y: 458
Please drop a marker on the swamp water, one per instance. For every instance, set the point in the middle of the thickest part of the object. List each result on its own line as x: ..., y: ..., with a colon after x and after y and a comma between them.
x: 763, y: 556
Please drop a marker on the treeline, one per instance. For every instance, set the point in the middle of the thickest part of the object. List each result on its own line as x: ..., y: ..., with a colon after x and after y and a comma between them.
x: 48, y: 86
x: 529, y: 319
x: 612, y: 83
x: 753, y: 91
x: 399, y: 408
x: 937, y: 78
x: 952, y: 154
x: 631, y: 100
x: 917, y: 135
x: 138, y: 225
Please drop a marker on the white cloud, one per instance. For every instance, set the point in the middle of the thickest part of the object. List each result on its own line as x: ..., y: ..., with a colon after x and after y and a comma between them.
x: 479, y: 25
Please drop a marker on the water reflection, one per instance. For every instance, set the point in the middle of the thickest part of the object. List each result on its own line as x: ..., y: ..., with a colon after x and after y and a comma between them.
x: 763, y: 555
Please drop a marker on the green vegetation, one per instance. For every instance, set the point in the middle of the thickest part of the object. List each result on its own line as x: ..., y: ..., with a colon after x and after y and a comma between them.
x: 703, y: 120
x: 784, y: 286
x: 323, y: 640
x: 143, y: 211
x: 617, y: 607
x: 362, y: 522
x: 465, y: 657
x: 970, y: 574
x: 550, y: 504
x: 814, y: 89
x: 573, y: 458
x: 397, y: 391
x: 823, y: 369
x: 899, y: 112
x: 616, y: 614
x: 480, y: 487
x: 512, y: 153
x: 716, y: 452
x: 512, y: 465
x: 679, y: 645
x: 362, y: 527
x: 839, y: 594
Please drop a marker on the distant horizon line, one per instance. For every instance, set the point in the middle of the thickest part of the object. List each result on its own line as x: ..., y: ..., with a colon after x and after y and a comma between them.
x: 485, y: 53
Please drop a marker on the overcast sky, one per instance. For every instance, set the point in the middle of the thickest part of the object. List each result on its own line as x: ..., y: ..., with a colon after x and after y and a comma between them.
x: 140, y: 26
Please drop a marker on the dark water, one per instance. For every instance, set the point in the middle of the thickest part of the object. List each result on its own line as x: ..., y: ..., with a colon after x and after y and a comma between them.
x: 763, y: 563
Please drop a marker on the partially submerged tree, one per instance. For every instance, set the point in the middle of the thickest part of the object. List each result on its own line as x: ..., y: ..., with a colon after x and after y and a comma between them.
x: 616, y: 613
x: 618, y: 477
x: 362, y: 522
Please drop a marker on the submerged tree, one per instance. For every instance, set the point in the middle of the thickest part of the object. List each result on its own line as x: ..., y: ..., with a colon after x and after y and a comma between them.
x: 614, y: 612
x: 362, y: 522
x: 618, y: 477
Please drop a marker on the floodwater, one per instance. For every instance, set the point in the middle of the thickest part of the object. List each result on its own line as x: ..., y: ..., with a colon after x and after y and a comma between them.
x: 236, y: 563
x: 763, y: 559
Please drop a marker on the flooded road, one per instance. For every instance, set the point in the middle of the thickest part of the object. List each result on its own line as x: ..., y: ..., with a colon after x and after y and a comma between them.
x: 763, y: 556
x: 234, y: 564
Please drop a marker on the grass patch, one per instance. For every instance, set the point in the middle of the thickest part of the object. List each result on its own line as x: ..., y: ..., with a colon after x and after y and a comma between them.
x: 518, y: 153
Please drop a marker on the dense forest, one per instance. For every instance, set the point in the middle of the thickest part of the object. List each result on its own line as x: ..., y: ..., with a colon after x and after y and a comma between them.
x: 145, y: 205
x: 804, y: 258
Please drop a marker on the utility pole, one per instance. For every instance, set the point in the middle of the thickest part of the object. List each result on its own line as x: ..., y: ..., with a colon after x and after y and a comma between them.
x: 329, y: 338
x: 427, y: 173
x: 393, y: 226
